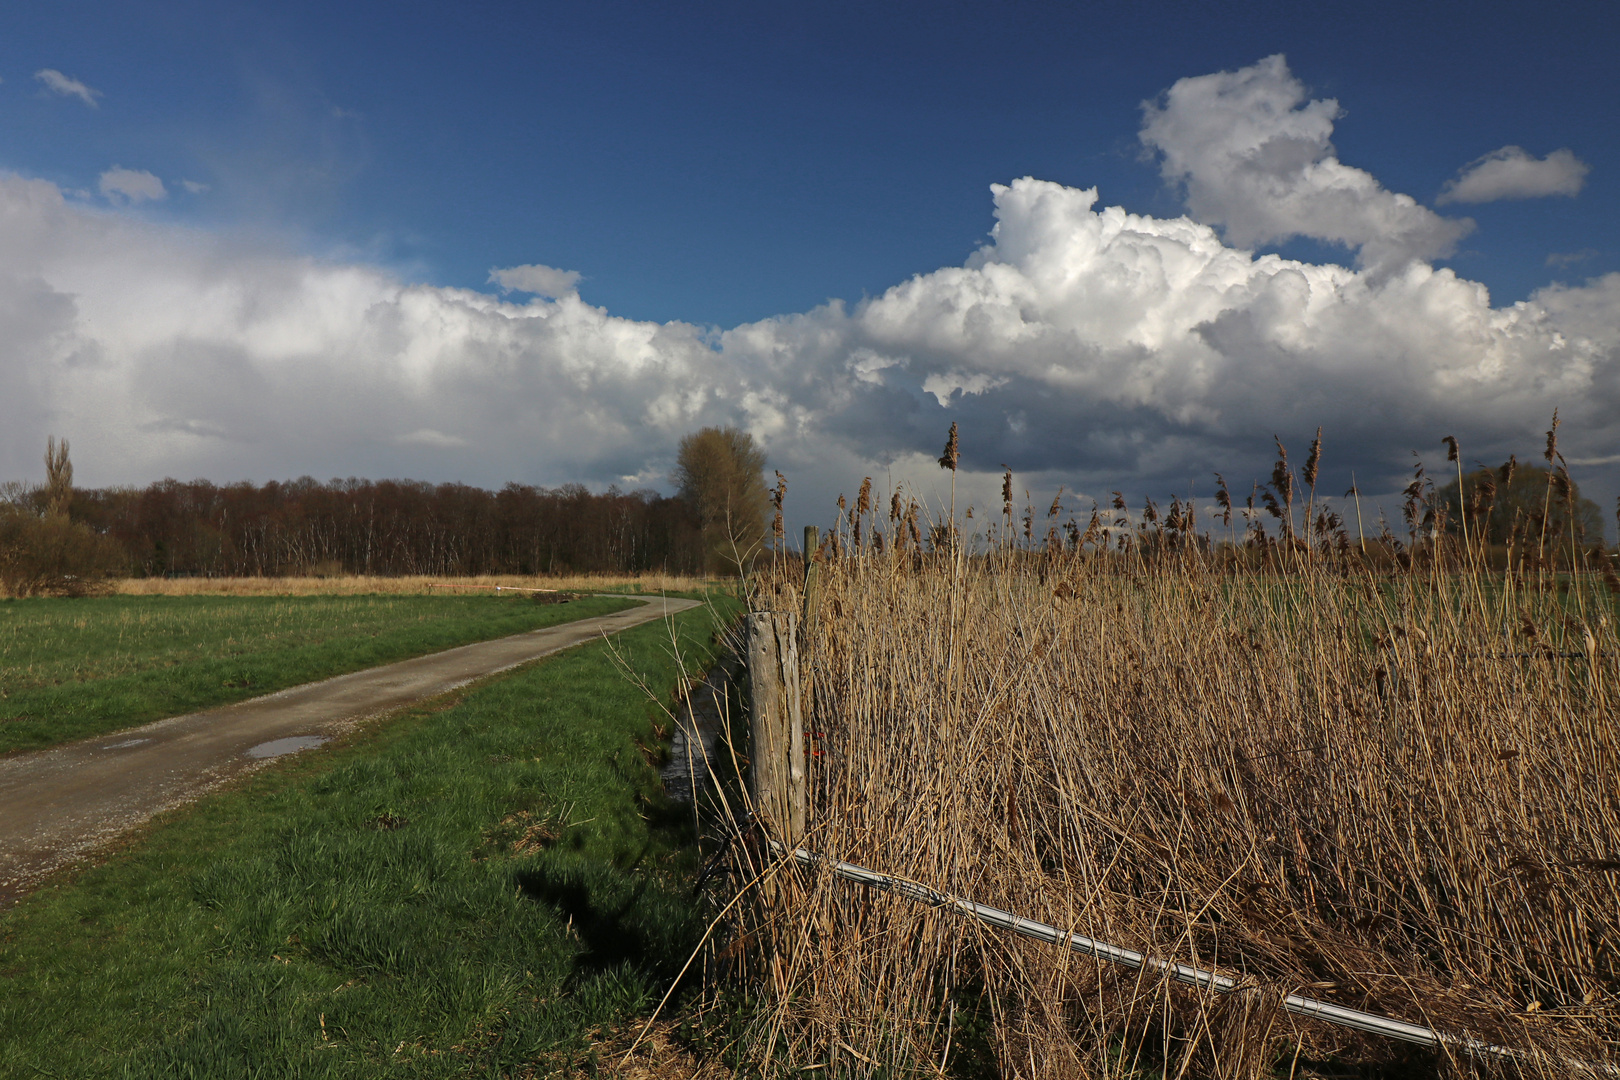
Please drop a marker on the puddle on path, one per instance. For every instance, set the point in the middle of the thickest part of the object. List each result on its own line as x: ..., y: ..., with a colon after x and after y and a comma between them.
x: 290, y: 745
x: 697, y: 731
x: 126, y: 744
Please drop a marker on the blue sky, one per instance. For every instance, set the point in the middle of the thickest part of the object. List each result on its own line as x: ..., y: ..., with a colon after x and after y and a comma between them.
x: 759, y: 158
x: 726, y: 164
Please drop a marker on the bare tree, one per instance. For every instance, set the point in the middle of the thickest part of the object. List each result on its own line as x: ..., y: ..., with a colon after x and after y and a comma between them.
x: 53, y: 554
x: 58, y: 477
x: 721, y: 473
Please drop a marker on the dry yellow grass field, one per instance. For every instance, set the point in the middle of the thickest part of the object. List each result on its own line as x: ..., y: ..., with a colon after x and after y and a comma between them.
x: 344, y: 585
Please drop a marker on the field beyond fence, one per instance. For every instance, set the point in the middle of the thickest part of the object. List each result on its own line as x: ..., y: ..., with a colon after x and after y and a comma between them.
x: 1396, y: 790
x: 352, y: 584
x: 76, y: 668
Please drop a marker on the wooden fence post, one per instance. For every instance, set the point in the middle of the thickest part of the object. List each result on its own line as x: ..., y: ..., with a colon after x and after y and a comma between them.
x: 812, y: 587
x: 776, y: 731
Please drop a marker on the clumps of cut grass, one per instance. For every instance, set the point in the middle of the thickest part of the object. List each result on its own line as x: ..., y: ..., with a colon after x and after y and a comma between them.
x: 1384, y: 782
x: 525, y: 832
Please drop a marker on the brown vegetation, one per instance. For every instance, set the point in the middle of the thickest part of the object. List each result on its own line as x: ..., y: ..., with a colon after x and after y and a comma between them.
x: 720, y: 474
x: 389, y: 527
x: 58, y: 539
x: 1395, y: 789
x: 43, y: 551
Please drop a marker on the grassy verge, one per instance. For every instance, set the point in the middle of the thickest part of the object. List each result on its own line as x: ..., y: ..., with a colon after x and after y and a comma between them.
x: 74, y: 668
x: 472, y: 890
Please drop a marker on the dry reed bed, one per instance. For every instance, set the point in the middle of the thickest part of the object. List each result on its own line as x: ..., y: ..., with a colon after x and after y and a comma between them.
x: 1399, y: 793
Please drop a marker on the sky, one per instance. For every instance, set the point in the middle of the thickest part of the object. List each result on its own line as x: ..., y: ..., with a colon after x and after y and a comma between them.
x: 1123, y: 245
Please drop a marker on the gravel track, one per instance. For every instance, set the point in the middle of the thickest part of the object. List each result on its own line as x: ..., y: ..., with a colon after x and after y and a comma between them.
x: 60, y: 805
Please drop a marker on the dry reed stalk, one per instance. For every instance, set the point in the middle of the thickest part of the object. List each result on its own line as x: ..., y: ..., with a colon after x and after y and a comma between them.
x: 1375, y: 789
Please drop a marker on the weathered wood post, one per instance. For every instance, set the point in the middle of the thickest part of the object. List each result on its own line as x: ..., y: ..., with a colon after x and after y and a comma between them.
x: 807, y: 657
x: 812, y: 587
x: 776, y: 732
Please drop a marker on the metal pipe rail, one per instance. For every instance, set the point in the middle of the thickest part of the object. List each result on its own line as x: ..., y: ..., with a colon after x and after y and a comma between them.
x: 497, y: 588
x: 1298, y: 1004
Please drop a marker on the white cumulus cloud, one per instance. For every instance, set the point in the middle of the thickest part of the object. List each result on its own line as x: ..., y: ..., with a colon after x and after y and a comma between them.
x: 171, y: 351
x: 944, y: 386
x: 1256, y: 158
x: 429, y: 437
x: 536, y: 279
x: 1563, y: 260
x: 1083, y: 345
x: 1514, y: 173
x: 58, y: 83
x: 122, y: 185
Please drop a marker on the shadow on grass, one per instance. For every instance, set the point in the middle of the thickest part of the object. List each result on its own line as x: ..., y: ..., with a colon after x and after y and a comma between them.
x: 619, y: 916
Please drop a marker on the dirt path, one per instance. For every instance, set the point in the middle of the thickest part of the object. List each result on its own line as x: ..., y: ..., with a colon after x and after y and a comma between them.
x: 59, y: 805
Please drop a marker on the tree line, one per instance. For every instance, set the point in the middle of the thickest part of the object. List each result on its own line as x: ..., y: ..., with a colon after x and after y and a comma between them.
x: 58, y: 538
x: 391, y: 527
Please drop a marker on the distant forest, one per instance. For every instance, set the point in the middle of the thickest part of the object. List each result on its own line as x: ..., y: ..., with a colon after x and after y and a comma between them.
x: 388, y: 527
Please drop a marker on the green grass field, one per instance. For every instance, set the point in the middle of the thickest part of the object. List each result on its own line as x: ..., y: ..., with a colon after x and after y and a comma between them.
x: 471, y: 889
x: 71, y: 669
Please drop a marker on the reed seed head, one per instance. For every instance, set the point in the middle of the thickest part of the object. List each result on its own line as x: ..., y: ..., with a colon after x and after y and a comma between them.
x: 1561, y: 485
x: 952, y: 453
x: 1282, y: 478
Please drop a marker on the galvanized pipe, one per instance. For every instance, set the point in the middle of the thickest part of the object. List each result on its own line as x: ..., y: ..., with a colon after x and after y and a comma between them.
x: 1298, y: 1004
